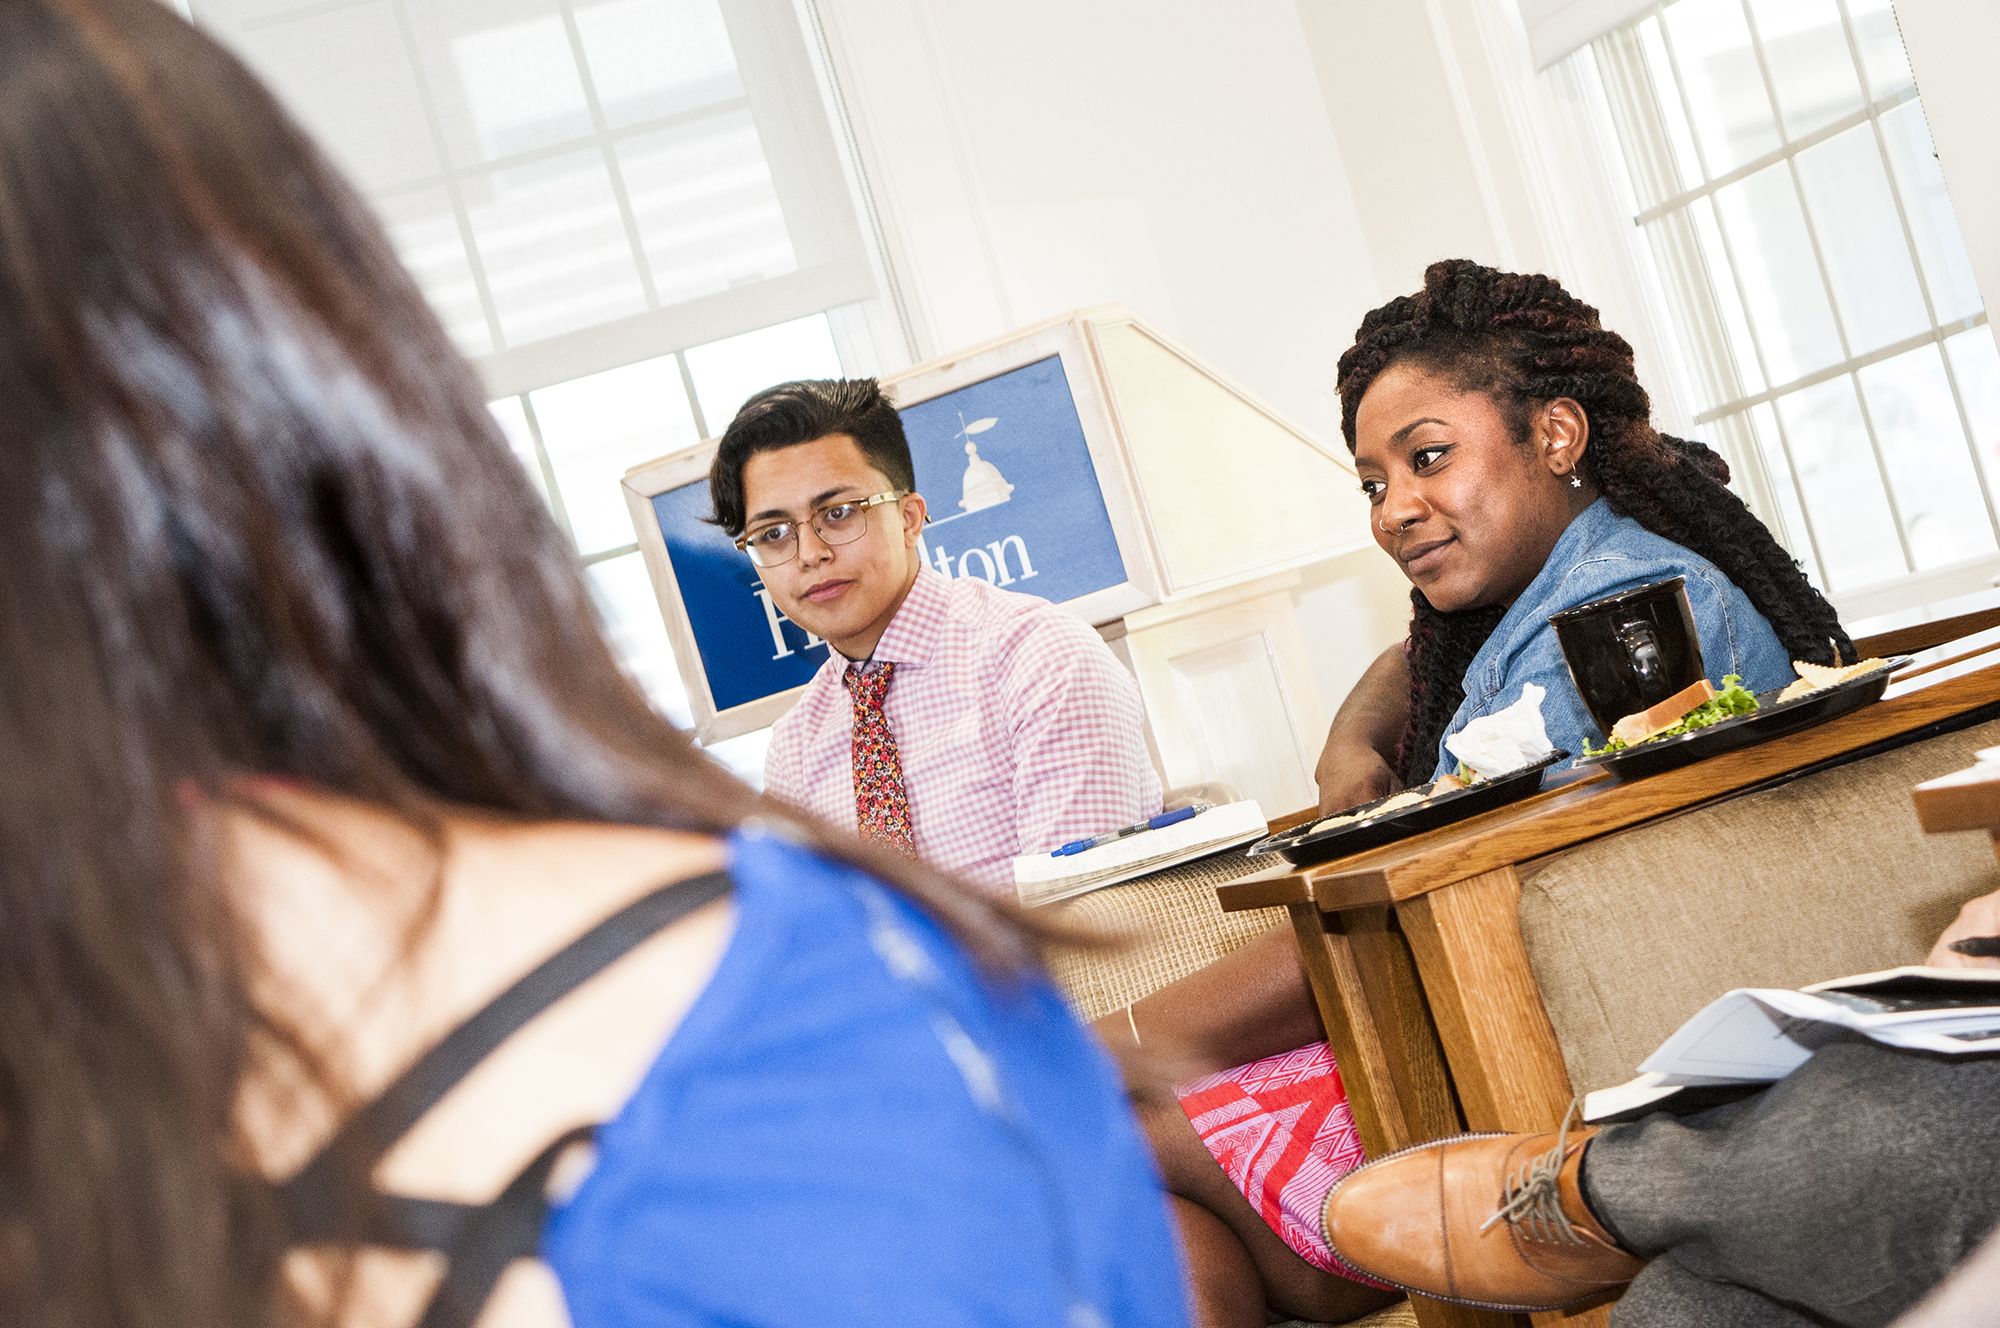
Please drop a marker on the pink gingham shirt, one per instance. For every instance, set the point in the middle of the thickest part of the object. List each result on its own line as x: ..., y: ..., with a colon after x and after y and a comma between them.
x: 1018, y: 730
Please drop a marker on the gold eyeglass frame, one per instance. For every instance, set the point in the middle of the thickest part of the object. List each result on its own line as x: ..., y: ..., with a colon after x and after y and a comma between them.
x: 874, y: 500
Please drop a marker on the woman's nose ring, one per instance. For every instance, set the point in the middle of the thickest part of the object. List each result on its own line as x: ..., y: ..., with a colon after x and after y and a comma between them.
x: 1407, y: 523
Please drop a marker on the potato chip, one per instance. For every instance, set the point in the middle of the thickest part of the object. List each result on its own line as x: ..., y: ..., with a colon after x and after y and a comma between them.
x: 1407, y: 798
x: 1817, y: 677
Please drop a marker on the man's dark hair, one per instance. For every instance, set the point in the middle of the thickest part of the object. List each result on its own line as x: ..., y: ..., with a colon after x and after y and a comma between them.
x: 794, y: 413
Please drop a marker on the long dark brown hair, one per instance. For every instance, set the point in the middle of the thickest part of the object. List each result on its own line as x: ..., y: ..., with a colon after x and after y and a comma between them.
x: 1524, y: 339
x: 254, y: 518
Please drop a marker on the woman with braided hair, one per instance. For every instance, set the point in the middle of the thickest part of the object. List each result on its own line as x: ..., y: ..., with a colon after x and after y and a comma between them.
x: 1503, y: 443
x: 1571, y: 495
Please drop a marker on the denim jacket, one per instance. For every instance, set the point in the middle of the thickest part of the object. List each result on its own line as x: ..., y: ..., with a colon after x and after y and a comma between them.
x: 1601, y: 554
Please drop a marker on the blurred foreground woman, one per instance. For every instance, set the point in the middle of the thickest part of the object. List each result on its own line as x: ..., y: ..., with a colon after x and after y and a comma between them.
x: 311, y: 754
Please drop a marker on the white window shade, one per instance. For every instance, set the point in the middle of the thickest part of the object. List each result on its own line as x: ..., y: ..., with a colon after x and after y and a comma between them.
x: 1557, y: 27
x: 1786, y: 185
x: 576, y: 184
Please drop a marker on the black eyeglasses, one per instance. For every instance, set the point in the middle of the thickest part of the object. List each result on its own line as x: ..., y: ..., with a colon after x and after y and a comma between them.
x: 837, y: 523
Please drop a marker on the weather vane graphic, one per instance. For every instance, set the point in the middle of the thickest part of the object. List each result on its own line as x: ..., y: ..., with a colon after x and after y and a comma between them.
x: 985, y: 486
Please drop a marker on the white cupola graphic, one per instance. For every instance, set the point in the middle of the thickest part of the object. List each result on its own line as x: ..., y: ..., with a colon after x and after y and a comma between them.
x: 985, y: 486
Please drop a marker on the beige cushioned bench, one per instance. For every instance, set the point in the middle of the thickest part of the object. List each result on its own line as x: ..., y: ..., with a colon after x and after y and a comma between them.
x: 1818, y: 878
x: 1172, y: 925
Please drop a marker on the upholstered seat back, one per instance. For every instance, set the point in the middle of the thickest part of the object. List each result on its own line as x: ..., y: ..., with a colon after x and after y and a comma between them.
x: 1172, y: 925
x: 1818, y: 878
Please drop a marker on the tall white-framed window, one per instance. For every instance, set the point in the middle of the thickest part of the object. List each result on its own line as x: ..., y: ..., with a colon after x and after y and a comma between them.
x: 630, y: 214
x: 1782, y: 173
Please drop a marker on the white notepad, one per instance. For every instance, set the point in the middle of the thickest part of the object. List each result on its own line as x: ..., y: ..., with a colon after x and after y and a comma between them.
x: 1042, y: 878
x: 1756, y: 1035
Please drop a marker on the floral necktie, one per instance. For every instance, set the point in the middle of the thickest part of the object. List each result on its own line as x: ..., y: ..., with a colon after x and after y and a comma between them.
x: 881, y: 806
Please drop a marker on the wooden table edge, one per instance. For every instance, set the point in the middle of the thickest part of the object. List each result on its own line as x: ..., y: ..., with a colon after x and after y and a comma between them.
x: 1954, y: 803
x: 1416, y: 866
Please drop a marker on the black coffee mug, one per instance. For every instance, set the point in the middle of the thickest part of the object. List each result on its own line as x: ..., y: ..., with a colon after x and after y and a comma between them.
x: 1632, y: 650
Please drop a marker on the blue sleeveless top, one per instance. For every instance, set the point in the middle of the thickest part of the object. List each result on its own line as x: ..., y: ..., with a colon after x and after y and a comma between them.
x: 850, y: 1129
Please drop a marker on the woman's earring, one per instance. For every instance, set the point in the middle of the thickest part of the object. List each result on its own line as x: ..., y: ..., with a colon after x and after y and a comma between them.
x: 1574, y: 482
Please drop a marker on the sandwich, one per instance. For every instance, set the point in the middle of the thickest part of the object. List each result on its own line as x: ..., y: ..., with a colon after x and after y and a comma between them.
x: 1700, y: 705
x: 1694, y: 707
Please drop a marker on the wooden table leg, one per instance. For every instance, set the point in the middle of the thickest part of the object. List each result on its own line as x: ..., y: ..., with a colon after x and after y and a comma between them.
x: 1366, y: 987
x: 1505, y: 1062
x: 1497, y: 1037
x: 1410, y: 1042
x: 1372, y: 1007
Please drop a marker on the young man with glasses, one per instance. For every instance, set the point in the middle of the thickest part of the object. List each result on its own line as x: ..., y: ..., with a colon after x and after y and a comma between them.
x: 952, y: 719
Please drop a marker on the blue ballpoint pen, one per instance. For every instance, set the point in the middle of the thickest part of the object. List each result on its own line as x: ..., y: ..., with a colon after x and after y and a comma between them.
x: 1152, y: 823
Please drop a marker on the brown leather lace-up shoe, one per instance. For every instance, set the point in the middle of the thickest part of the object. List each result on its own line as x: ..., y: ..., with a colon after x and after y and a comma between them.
x: 1494, y: 1221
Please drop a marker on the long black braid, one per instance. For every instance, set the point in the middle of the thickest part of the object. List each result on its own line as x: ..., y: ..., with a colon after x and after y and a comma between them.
x: 1523, y: 340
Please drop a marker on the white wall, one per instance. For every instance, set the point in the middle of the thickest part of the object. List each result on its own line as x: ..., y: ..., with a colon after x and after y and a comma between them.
x: 1253, y: 177
x: 1954, y: 48
x: 1037, y: 156
x: 1388, y: 93
x: 1458, y: 150
x: 1176, y: 157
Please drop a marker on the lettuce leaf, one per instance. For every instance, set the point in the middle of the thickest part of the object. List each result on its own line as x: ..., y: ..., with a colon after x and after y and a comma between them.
x: 1732, y: 700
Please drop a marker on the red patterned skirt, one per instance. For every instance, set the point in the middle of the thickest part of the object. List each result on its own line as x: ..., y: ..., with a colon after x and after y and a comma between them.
x: 1281, y: 1130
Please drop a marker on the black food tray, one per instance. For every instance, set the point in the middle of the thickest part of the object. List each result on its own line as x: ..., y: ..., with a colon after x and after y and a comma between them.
x: 1770, y: 720
x: 1302, y: 847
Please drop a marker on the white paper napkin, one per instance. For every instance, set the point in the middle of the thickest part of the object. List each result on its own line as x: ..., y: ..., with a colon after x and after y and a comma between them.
x: 1492, y: 745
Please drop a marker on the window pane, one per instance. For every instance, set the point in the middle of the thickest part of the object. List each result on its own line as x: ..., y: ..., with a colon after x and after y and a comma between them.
x: 707, y: 212
x: 597, y: 428
x: 637, y: 634
x: 1722, y: 278
x: 1881, y: 45
x: 1764, y: 424
x: 1975, y: 363
x: 503, y: 76
x: 514, y: 423
x: 1843, y: 486
x: 728, y: 373
x: 347, y: 76
x: 624, y: 597
x: 1781, y: 281
x: 1924, y: 450
x: 744, y: 756
x: 555, y: 250
x: 1805, y: 48
x: 1667, y: 94
x: 1732, y: 113
x: 650, y: 58
x: 425, y: 232
x: 1940, y: 247
x: 1861, y: 238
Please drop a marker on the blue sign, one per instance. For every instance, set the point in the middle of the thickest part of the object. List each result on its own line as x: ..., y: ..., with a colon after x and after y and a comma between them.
x: 1013, y: 497
x: 1013, y: 500
x: 748, y: 650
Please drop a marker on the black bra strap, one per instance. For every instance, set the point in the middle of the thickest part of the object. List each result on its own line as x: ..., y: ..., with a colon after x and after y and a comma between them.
x: 321, y: 1198
x: 493, y: 1237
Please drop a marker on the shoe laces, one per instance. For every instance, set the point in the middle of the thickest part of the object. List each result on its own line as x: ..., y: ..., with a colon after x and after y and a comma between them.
x: 1531, y: 1198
